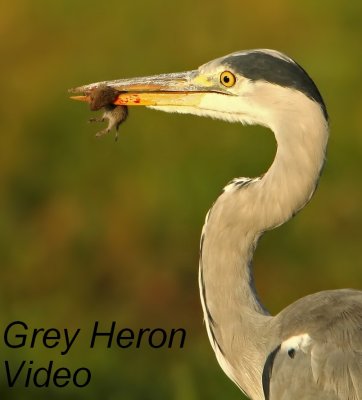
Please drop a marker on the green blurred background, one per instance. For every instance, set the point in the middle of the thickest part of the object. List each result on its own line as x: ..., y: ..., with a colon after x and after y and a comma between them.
x: 93, y: 230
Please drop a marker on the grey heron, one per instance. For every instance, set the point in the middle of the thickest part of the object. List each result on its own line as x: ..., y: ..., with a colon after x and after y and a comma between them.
x: 313, y: 348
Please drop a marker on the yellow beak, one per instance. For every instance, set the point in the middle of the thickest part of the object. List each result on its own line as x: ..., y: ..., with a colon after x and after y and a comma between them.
x: 177, y: 89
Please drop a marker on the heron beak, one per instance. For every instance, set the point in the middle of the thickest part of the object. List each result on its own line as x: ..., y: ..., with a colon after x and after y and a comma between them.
x: 176, y: 89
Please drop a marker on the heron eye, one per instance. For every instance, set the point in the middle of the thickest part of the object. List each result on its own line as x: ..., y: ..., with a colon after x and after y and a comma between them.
x: 227, y: 78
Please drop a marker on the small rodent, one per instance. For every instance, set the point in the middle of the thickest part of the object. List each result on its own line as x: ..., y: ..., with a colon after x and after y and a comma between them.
x: 103, y: 97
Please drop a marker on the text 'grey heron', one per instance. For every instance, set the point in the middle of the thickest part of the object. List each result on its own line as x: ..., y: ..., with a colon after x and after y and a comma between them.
x: 313, y: 348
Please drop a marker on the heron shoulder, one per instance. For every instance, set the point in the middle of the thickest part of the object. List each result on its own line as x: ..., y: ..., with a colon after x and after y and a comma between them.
x: 318, y: 340
x: 329, y: 311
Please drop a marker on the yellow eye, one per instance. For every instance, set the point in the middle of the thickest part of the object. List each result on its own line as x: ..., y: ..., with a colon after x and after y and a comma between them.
x: 227, y: 78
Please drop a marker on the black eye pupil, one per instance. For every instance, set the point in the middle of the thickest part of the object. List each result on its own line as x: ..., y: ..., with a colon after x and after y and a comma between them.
x: 226, y: 79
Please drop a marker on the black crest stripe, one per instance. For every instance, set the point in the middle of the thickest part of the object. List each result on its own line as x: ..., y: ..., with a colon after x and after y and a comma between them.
x: 258, y: 65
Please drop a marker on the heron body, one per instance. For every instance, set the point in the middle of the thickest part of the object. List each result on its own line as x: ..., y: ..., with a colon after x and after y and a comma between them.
x: 313, y: 348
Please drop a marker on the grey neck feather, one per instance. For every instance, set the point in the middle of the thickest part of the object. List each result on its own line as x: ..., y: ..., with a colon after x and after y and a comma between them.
x: 235, y: 319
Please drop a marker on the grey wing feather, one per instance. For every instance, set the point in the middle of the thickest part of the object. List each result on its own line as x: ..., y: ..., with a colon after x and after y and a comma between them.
x: 293, y: 379
x: 321, y: 353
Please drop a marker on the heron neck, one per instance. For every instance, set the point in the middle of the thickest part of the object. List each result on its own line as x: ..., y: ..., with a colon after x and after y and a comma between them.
x: 234, y: 315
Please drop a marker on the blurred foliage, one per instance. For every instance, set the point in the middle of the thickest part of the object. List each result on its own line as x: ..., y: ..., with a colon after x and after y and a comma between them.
x: 96, y: 230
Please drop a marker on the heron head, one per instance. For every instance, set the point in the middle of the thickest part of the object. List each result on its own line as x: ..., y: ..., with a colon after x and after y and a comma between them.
x: 255, y: 87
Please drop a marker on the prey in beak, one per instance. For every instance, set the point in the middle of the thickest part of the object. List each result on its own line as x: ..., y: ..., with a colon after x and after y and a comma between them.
x: 189, y: 92
x: 104, y: 96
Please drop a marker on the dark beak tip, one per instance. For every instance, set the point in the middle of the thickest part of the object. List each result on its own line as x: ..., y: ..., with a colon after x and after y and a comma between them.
x: 79, y: 90
x: 74, y: 90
